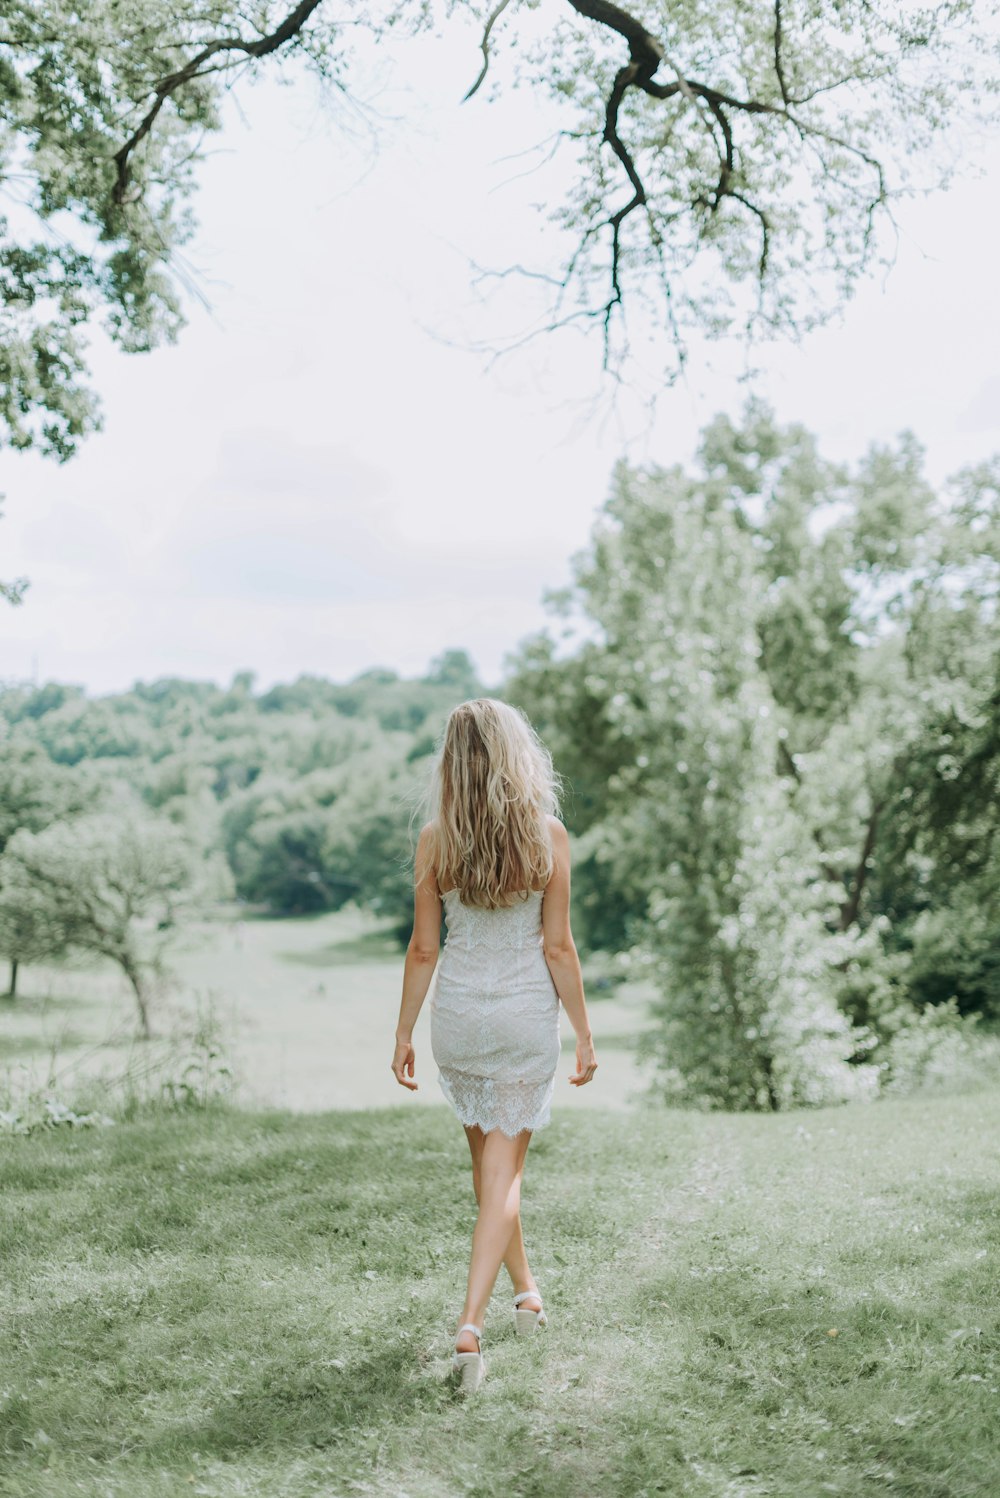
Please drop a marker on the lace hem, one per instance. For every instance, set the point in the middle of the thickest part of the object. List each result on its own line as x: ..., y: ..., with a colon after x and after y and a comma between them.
x: 510, y: 1107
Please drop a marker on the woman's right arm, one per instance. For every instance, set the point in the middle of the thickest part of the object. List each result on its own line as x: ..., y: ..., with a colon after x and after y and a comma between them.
x: 421, y: 958
x: 561, y: 954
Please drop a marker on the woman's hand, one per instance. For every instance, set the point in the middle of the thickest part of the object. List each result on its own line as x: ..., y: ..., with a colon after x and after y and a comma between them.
x: 586, y: 1063
x: 403, y: 1061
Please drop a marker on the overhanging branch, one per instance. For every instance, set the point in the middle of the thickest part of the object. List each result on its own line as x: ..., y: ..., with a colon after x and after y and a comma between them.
x: 646, y: 54
x: 198, y: 66
x: 491, y: 21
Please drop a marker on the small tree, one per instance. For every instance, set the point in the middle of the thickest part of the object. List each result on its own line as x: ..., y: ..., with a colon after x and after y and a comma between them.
x: 107, y: 886
x: 31, y: 929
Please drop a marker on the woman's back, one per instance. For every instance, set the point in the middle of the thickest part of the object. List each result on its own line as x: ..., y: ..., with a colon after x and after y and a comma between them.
x: 516, y: 925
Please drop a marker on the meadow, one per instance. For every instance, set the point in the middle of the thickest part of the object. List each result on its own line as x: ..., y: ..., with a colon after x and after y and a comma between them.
x: 232, y: 1303
x: 255, y: 1297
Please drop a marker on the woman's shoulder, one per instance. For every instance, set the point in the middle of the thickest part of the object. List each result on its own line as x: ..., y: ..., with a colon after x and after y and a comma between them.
x: 557, y: 831
x: 424, y: 853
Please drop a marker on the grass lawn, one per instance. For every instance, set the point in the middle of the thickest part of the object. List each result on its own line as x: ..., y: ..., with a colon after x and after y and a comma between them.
x: 257, y: 1304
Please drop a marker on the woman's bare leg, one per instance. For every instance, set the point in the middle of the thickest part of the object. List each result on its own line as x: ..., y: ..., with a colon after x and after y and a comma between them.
x: 515, y: 1256
x: 500, y: 1168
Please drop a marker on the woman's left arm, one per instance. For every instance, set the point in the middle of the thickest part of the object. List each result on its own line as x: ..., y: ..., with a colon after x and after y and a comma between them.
x: 421, y: 957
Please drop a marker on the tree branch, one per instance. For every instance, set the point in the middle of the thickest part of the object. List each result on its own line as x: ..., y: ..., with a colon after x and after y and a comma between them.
x: 491, y: 21
x: 197, y: 68
x: 851, y: 906
x: 646, y: 53
x: 778, y: 68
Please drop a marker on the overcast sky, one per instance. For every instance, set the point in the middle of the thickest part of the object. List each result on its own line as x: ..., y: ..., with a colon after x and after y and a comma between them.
x: 315, y: 479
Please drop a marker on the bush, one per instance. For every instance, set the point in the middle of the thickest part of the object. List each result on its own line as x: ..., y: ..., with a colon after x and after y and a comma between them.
x: 939, y: 1048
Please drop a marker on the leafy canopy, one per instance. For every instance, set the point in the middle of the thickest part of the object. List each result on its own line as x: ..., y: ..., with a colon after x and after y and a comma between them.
x: 721, y: 165
x: 780, y: 728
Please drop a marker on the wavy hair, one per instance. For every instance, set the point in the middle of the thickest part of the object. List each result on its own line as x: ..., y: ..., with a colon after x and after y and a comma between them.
x: 492, y: 790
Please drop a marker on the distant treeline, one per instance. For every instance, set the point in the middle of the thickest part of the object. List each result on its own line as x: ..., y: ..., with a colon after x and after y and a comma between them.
x: 307, y: 789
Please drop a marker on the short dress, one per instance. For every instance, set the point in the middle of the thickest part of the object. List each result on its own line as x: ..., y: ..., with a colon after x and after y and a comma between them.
x: 495, y: 1015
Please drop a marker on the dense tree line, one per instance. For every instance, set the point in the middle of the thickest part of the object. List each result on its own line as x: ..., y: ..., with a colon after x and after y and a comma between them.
x: 121, y: 814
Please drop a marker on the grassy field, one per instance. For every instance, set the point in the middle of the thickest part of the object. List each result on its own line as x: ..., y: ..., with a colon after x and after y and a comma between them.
x: 306, y: 1008
x: 232, y: 1303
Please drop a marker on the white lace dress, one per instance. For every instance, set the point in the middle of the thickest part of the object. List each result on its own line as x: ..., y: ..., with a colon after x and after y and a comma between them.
x: 495, y: 1016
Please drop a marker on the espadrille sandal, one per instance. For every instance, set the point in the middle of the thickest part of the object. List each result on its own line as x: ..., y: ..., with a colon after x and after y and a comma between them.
x: 526, y: 1321
x: 469, y: 1365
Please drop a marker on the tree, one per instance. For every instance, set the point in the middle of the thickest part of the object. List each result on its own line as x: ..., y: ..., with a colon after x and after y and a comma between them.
x: 699, y: 821
x: 454, y: 669
x: 108, y: 885
x: 711, y: 149
x: 783, y: 714
x: 34, y: 791
x: 31, y: 926
x: 329, y: 837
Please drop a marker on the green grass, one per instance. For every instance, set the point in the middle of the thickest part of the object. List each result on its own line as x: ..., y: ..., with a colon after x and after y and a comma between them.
x: 257, y: 1304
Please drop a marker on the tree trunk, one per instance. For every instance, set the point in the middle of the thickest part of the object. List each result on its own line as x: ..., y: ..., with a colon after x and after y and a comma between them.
x: 850, y: 908
x: 134, y: 976
x: 12, y: 990
x: 767, y: 1066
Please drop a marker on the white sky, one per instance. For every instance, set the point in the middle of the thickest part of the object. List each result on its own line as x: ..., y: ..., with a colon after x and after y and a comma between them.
x: 312, y: 481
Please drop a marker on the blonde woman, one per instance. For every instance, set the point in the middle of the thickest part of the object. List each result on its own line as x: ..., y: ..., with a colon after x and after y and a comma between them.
x: 496, y: 858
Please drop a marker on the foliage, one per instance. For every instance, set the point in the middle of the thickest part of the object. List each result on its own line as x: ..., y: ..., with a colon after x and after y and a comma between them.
x: 937, y: 1047
x: 711, y: 150
x: 44, y: 1112
x: 327, y: 837
x: 787, y: 679
x: 111, y: 887
x: 35, y: 791
x: 308, y: 789
x: 201, y: 1075
x: 31, y: 924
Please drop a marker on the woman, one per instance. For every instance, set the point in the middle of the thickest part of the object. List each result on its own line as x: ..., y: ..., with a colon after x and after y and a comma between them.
x: 496, y: 857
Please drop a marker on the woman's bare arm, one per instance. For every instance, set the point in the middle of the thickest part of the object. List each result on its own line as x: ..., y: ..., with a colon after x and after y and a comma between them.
x: 421, y: 958
x: 561, y: 954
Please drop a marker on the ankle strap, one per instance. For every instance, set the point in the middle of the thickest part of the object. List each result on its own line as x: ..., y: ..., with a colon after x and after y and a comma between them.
x: 469, y: 1326
x: 527, y: 1295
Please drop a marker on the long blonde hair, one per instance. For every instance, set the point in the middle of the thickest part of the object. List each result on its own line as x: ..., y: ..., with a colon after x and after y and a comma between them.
x: 492, y: 791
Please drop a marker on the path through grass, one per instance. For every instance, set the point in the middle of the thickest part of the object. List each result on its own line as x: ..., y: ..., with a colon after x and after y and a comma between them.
x: 238, y: 1304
